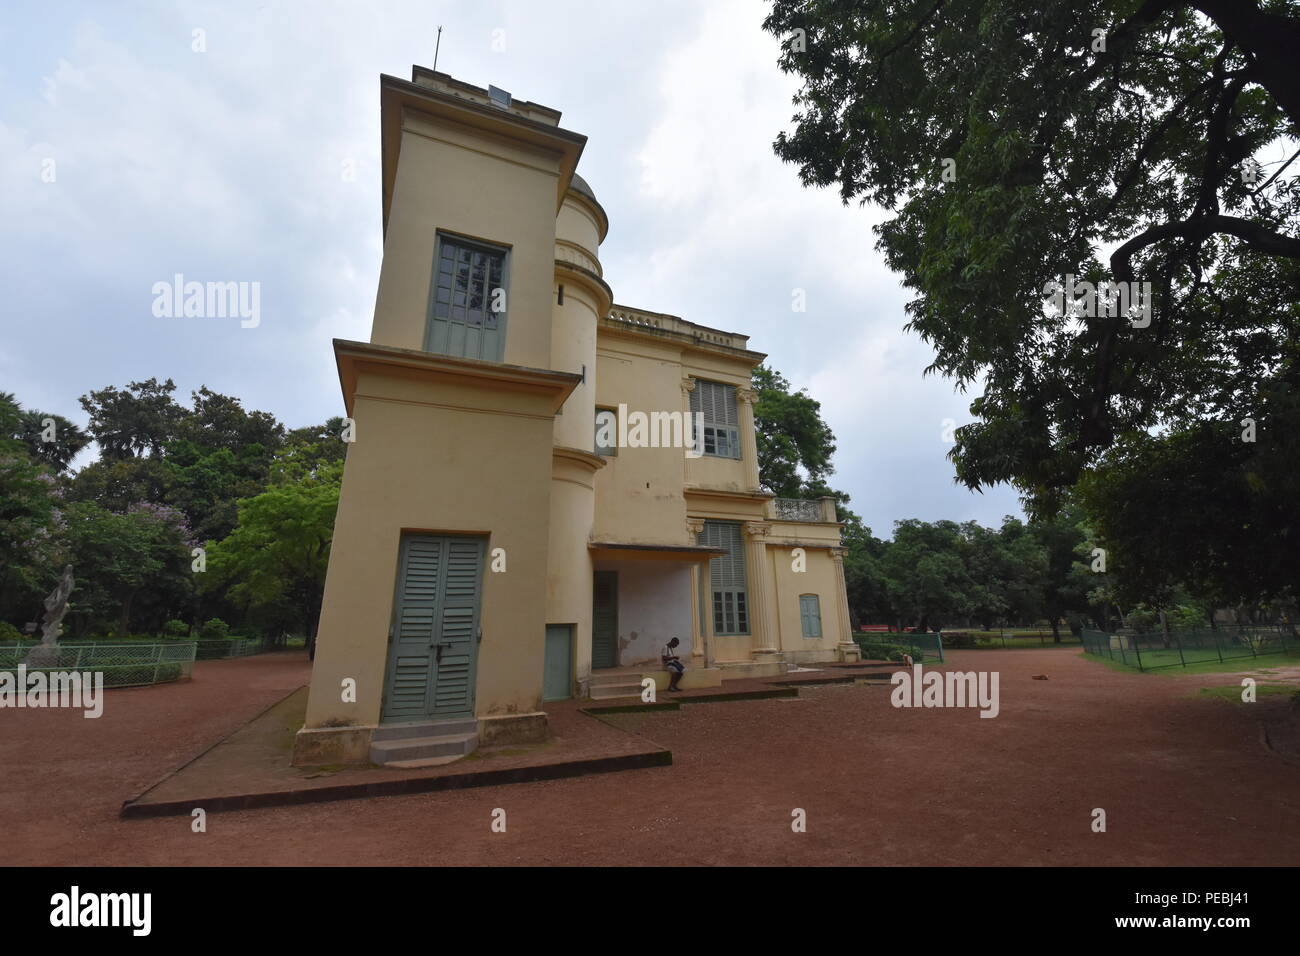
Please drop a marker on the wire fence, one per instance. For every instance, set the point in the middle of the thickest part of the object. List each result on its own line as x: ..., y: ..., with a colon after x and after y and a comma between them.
x: 229, y: 647
x: 123, y: 665
x: 1012, y: 637
x: 1180, y: 648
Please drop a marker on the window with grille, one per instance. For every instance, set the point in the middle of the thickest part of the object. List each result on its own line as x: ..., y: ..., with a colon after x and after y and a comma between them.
x: 810, y: 615
x: 727, y: 577
x: 468, y: 301
x: 715, y: 402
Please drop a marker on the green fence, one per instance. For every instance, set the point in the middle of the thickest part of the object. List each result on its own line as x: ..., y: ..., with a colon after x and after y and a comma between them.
x: 229, y: 647
x: 1011, y: 637
x: 1179, y: 648
x: 123, y: 665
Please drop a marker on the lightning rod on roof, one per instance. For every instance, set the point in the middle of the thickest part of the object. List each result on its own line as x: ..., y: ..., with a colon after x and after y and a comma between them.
x: 436, y: 47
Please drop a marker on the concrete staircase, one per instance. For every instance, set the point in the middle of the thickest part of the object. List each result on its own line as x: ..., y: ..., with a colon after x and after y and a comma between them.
x: 612, y: 686
x: 427, y: 743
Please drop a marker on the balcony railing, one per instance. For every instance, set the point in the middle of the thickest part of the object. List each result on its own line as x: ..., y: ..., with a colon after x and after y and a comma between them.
x: 799, y: 509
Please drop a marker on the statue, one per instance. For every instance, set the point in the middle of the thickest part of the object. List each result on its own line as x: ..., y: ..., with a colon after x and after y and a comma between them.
x: 46, y: 653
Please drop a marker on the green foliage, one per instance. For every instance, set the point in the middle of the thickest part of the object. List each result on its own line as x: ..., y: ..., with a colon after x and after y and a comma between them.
x: 29, y: 551
x: 143, y: 552
x: 132, y: 422
x: 1060, y: 149
x: 794, y: 444
x: 883, y: 651
x: 273, y: 564
x: 214, y: 629
x: 9, y: 634
x: 50, y: 439
x: 175, y: 628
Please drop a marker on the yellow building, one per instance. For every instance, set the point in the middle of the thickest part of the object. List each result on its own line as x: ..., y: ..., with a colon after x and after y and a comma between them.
x: 542, y: 487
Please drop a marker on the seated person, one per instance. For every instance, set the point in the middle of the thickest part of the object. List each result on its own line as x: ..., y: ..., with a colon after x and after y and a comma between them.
x: 673, y: 663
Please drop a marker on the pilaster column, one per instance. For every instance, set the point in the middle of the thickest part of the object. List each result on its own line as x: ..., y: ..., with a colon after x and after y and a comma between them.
x: 845, y: 646
x: 747, y: 397
x: 688, y: 386
x: 699, y: 577
x: 762, y: 626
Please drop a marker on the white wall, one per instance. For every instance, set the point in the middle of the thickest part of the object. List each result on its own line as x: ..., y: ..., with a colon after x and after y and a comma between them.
x: 654, y: 604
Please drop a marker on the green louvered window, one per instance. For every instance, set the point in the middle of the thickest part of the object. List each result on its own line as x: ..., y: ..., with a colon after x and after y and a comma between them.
x: 727, y: 577
x: 810, y: 615
x: 716, y: 403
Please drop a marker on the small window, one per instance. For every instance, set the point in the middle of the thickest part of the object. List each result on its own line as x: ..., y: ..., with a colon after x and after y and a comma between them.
x: 810, y: 615
x: 606, y: 438
x: 713, y: 407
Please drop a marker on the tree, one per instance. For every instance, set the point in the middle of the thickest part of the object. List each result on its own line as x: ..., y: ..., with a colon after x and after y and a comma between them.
x: 28, y: 526
x: 924, y: 574
x: 1065, y: 127
x: 864, y: 583
x: 1237, y: 541
x: 273, y: 564
x: 794, y: 444
x: 1065, y: 582
x: 220, y: 421
x: 134, y: 422
x: 118, y: 557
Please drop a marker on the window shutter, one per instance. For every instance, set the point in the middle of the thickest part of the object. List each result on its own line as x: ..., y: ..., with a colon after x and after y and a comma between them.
x: 810, y: 615
x: 727, y: 577
x: 715, y: 402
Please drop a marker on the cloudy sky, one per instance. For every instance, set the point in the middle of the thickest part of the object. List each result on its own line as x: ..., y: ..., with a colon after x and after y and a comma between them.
x: 226, y: 164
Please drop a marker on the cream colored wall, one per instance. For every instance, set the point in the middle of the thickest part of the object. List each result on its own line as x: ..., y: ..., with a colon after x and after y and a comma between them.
x: 818, y: 578
x: 465, y: 181
x: 647, y: 375
x: 573, y: 348
x: 569, y: 580
x: 437, y: 456
x: 726, y: 474
x: 639, y: 493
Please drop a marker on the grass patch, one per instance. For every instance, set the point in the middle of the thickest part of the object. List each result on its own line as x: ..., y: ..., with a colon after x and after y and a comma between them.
x: 1233, y: 692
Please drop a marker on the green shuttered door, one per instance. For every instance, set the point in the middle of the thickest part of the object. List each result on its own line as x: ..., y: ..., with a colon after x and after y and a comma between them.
x: 434, y: 642
x: 557, y: 675
x: 604, y: 619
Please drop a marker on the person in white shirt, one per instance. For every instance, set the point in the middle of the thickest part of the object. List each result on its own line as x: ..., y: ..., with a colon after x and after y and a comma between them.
x: 674, y: 664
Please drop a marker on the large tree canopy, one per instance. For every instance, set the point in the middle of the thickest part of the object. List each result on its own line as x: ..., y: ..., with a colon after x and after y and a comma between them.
x: 1019, y: 142
x: 794, y: 444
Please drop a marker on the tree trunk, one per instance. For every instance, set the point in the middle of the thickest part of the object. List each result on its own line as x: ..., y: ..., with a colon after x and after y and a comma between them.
x: 124, y: 618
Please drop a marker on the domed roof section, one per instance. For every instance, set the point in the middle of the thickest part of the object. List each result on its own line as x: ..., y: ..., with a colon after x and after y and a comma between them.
x: 580, y: 185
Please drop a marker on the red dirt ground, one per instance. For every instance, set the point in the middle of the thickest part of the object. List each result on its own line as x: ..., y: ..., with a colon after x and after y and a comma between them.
x: 1184, y: 780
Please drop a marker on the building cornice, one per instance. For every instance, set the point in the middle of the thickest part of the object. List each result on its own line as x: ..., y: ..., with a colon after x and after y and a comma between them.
x: 596, y: 287
x: 354, y: 357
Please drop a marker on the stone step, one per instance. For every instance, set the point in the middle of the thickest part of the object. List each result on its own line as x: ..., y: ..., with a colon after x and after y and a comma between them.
x: 406, y: 749
x: 628, y: 687
x: 426, y: 728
